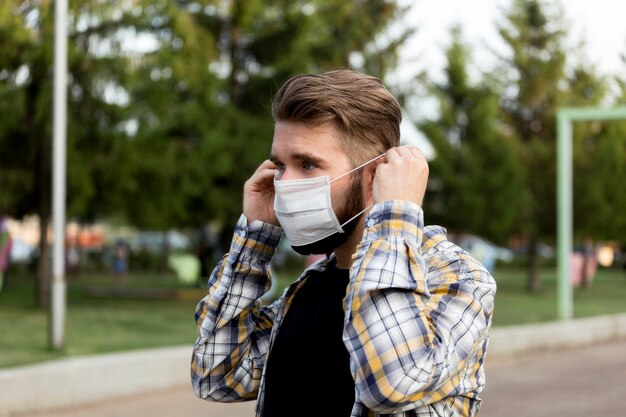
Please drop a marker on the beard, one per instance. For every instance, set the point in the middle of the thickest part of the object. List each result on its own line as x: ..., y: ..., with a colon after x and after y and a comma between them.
x: 352, y: 206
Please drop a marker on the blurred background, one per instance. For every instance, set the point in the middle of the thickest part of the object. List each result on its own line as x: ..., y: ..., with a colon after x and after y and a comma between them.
x: 169, y: 114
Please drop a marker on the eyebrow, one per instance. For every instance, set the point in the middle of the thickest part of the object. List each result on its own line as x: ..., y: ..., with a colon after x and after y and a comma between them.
x: 304, y: 156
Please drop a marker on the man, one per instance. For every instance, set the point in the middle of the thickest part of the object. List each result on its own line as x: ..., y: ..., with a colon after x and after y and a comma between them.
x: 394, y: 321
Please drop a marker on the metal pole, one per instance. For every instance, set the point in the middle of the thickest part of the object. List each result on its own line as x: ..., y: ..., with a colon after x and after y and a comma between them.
x: 593, y: 113
x: 565, y: 218
x: 56, y: 318
x: 565, y: 221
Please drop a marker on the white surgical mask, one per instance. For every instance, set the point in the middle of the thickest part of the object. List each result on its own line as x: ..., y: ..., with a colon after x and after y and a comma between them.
x: 304, y: 209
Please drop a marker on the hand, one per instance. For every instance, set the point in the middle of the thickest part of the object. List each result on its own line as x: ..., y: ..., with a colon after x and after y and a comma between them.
x: 258, y: 194
x: 401, y: 176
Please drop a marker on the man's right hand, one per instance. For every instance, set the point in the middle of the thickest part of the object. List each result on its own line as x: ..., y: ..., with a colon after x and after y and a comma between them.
x: 403, y: 175
x: 258, y: 194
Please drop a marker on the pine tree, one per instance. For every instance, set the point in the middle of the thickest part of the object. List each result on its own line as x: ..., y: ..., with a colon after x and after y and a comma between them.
x: 474, y: 184
x: 536, y: 72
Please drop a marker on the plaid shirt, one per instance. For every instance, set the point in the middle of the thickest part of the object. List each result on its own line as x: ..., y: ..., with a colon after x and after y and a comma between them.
x: 418, y: 313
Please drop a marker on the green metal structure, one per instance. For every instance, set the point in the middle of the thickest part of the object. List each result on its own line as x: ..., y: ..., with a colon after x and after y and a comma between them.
x: 565, y: 117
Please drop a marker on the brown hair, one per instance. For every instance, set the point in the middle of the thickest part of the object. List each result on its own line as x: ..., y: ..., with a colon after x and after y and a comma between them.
x: 358, y: 104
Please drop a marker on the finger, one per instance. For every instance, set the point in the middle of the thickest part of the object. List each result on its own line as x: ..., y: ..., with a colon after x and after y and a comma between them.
x: 408, y: 150
x: 267, y: 168
x: 391, y: 154
x: 415, y: 151
x: 265, y: 165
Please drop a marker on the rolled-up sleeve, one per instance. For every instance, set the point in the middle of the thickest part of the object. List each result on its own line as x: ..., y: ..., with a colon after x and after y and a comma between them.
x: 233, y: 326
x: 418, y: 313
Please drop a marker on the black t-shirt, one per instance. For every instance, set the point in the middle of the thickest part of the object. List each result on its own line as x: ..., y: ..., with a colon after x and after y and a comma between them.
x: 308, y: 368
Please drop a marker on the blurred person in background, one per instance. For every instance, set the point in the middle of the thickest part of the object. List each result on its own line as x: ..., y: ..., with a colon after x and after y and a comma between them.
x: 396, y: 319
x: 120, y: 262
x: 584, y: 264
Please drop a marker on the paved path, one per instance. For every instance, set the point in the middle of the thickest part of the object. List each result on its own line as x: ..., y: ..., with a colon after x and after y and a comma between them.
x: 583, y: 382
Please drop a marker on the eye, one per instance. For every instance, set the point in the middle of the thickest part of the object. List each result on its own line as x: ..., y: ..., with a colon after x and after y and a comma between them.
x: 308, y: 166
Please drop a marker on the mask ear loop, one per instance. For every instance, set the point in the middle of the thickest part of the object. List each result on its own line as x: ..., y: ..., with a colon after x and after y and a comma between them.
x: 359, y: 167
x: 349, y: 172
x: 356, y: 215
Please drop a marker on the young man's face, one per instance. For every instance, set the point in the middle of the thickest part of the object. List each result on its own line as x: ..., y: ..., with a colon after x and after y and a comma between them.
x: 301, y: 152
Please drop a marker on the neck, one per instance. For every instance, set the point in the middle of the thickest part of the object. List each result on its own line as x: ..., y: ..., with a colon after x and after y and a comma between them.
x: 344, y: 257
x: 344, y: 252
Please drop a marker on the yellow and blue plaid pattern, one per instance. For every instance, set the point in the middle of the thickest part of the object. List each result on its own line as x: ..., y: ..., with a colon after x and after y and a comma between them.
x: 417, y: 323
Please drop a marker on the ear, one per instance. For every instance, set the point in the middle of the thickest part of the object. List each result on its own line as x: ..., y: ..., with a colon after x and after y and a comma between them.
x: 371, y: 171
x: 368, y: 183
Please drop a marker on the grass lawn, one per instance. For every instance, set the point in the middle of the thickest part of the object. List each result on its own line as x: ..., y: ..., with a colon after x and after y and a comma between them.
x: 108, y: 324
x: 95, y: 324
x: 515, y: 305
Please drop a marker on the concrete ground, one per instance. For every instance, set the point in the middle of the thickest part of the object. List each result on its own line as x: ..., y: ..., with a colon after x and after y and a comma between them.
x: 574, y: 382
x: 581, y: 382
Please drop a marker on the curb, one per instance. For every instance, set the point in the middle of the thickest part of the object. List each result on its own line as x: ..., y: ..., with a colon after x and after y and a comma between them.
x: 81, y: 380
x: 515, y: 340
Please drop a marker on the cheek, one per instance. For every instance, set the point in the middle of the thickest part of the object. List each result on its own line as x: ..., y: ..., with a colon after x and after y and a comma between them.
x: 338, y: 196
x: 350, y: 197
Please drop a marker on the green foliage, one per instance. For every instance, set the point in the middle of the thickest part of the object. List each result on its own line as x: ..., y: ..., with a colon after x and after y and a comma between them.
x: 539, y: 79
x: 257, y: 46
x: 24, y: 103
x: 475, y: 181
x: 599, y: 187
x: 494, y: 171
x: 174, y: 126
x: 535, y: 33
x: 168, y: 104
x: 542, y: 80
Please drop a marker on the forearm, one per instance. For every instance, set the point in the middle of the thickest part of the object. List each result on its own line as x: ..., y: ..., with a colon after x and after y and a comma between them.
x: 412, y: 325
x: 233, y: 327
x: 387, y: 283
